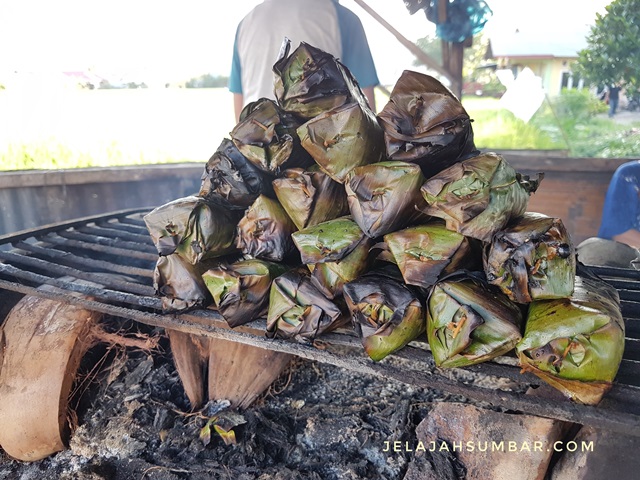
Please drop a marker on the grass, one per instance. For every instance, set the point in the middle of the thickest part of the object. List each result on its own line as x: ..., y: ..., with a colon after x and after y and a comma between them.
x: 103, y: 128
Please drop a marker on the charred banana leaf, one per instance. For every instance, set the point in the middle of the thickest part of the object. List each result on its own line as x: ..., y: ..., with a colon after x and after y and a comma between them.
x: 385, y: 313
x: 310, y: 197
x: 240, y: 290
x: 576, y: 344
x: 329, y: 241
x: 267, y: 136
x: 477, y: 197
x: 192, y: 227
x: 342, y: 139
x: 180, y: 284
x: 298, y: 310
x: 383, y: 196
x: 424, y: 123
x: 229, y: 176
x: 310, y: 81
x: 265, y: 231
x: 533, y: 258
x: 468, y: 322
x: 425, y: 252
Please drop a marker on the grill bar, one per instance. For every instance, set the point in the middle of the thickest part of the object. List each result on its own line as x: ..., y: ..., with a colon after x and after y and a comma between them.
x: 94, y: 248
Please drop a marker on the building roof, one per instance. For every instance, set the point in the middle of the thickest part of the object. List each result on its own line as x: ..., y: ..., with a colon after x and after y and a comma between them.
x: 532, y: 44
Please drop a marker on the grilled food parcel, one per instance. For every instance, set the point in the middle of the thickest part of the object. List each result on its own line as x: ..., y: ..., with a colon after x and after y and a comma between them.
x: 319, y: 215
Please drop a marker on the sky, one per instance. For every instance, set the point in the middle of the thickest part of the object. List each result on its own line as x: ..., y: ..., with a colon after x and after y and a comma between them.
x: 161, y: 40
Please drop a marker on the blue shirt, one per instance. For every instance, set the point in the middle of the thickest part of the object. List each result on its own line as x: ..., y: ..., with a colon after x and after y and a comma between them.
x: 621, y: 210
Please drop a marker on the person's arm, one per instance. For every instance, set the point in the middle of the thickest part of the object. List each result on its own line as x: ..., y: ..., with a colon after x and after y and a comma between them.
x: 238, y: 102
x: 371, y: 97
x: 630, y: 237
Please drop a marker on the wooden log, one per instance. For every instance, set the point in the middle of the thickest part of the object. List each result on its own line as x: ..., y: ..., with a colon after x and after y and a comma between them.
x: 43, y: 342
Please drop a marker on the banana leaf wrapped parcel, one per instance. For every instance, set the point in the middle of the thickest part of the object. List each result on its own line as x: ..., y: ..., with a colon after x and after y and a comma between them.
x: 310, y: 196
x: 267, y: 136
x: 576, y: 344
x: 179, y: 283
x: 386, y: 314
x: 310, y: 81
x: 424, y: 123
x: 425, y: 252
x: 337, y: 250
x: 344, y: 138
x: 265, y: 231
x: 240, y: 290
x: 298, y: 310
x: 533, y: 258
x: 193, y: 227
x: 468, y: 322
x: 229, y: 176
x: 383, y: 196
x: 478, y: 196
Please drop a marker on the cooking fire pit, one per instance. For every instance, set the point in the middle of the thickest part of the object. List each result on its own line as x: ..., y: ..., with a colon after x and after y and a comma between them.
x: 94, y: 248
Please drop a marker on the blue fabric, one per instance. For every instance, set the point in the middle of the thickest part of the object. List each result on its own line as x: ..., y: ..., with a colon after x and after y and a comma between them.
x: 621, y: 204
x: 356, y: 54
x: 235, y: 77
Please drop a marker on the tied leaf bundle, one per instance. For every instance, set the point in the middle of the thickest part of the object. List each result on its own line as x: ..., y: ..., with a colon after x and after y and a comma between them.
x: 310, y: 81
x: 337, y: 252
x: 192, y: 227
x: 469, y: 323
x: 240, y: 290
x: 298, y: 310
x: 233, y: 179
x: 425, y: 252
x: 267, y: 136
x: 383, y: 196
x: 385, y: 313
x: 532, y: 259
x: 179, y: 283
x: 328, y: 241
x: 310, y: 197
x: 265, y: 231
x: 576, y: 344
x: 477, y: 197
x: 342, y: 139
x: 424, y: 123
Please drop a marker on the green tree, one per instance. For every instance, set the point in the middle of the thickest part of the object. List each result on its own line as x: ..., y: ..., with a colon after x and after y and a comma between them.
x: 613, y: 46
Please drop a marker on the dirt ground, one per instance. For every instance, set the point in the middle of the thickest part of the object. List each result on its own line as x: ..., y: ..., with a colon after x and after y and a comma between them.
x: 315, y: 422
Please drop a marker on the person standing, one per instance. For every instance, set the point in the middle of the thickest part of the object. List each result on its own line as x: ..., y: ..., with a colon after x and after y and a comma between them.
x: 614, y: 97
x: 621, y: 211
x: 324, y: 24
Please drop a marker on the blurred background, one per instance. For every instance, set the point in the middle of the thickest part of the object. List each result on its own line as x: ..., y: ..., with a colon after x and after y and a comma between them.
x: 144, y: 82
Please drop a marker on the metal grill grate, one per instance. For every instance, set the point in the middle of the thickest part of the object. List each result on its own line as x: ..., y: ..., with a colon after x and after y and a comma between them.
x: 116, y: 252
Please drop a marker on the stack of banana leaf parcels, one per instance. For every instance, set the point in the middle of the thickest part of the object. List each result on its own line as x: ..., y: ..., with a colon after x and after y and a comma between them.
x: 318, y: 215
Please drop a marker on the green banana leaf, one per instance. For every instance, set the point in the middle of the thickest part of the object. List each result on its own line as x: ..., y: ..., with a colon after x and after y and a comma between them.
x: 299, y: 311
x: 193, y: 227
x: 425, y: 252
x: 478, y: 196
x: 468, y: 322
x: 310, y: 81
x: 424, y: 123
x: 180, y: 284
x: 328, y: 241
x: 265, y: 231
x: 533, y: 258
x: 386, y: 314
x: 266, y: 136
x: 310, y: 197
x: 384, y: 196
x: 240, y: 290
x: 342, y: 139
x: 233, y: 179
x: 576, y: 344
